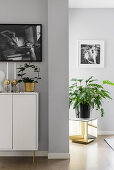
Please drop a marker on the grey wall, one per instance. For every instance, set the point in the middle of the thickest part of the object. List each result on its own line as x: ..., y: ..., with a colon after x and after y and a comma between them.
x: 31, y: 11
x: 58, y: 76
x: 94, y: 24
x: 53, y: 14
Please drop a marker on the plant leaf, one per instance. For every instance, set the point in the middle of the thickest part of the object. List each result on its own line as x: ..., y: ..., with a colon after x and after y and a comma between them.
x: 108, y: 82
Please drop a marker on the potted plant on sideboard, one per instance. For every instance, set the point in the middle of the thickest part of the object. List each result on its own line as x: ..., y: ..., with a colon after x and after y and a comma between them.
x: 86, y: 95
x: 29, y: 82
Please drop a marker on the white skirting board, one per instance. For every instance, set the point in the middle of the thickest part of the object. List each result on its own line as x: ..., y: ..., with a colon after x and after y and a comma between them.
x: 24, y: 153
x: 58, y: 156
x: 105, y: 132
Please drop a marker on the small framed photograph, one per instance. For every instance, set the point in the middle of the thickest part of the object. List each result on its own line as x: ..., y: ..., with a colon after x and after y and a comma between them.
x: 91, y: 53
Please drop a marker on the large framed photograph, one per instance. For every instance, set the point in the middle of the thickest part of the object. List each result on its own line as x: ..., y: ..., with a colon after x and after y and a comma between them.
x: 21, y: 42
x: 91, y: 53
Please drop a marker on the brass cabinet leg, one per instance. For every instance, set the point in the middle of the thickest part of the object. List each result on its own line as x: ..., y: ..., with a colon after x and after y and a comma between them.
x: 33, y: 156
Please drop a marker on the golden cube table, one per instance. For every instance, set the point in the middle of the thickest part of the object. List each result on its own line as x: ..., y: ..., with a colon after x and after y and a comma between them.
x: 88, y: 130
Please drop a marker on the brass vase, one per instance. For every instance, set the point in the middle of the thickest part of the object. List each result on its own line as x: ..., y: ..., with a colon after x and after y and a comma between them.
x: 29, y: 87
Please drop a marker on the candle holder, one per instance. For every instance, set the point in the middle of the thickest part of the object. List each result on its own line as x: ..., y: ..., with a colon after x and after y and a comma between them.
x: 7, y: 86
x: 15, y: 86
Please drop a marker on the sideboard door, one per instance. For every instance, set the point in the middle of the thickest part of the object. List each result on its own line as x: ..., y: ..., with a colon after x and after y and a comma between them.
x: 25, y: 122
x: 5, y: 122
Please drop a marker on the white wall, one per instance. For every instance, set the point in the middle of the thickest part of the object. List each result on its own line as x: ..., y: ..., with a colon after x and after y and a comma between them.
x: 58, y: 77
x: 91, y: 4
x: 94, y: 24
x: 31, y: 11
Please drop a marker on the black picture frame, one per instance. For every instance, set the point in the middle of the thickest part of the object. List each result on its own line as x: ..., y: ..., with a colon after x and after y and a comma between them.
x: 20, y: 42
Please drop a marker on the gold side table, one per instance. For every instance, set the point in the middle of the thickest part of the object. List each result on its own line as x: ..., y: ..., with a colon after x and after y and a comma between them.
x: 88, y: 130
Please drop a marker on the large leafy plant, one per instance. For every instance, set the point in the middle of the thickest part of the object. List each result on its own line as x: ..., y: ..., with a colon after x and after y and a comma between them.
x: 88, y: 91
x: 22, y: 73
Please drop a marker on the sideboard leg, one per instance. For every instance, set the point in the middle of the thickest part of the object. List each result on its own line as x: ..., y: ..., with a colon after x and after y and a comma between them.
x: 33, y: 156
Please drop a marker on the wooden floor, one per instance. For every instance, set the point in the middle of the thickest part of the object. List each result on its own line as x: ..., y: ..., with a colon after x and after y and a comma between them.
x: 94, y: 156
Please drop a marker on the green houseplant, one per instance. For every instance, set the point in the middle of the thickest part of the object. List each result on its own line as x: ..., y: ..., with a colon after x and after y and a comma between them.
x: 87, y: 94
x: 28, y: 81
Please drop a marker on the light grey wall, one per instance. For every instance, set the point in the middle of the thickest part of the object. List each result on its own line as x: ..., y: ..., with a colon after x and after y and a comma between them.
x: 31, y: 11
x: 94, y: 24
x: 58, y: 76
x: 91, y: 4
x: 36, y: 11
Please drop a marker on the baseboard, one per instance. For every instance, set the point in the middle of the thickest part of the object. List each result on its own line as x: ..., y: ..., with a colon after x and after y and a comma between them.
x: 58, y: 155
x: 105, y: 132
x: 24, y: 153
x: 37, y: 154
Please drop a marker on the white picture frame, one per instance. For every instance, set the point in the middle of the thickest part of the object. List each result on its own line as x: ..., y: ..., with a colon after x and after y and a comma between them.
x: 91, y: 53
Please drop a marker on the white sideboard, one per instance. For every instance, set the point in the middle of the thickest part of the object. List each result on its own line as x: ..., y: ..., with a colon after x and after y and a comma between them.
x: 19, y: 121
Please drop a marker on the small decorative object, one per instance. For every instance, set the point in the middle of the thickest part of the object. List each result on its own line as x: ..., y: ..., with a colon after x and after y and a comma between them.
x: 21, y: 42
x: 91, y: 54
x: 7, y: 72
x: 15, y: 86
x: 14, y: 71
x: 2, y: 77
x: 86, y: 95
x: 29, y: 82
x: 7, y: 86
x: 29, y: 87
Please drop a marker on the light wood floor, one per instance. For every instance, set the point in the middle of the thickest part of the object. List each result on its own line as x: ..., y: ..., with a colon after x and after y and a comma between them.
x: 94, y: 156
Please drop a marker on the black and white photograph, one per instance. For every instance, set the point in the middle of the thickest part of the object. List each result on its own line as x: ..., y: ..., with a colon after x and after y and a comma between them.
x: 21, y: 42
x: 91, y: 53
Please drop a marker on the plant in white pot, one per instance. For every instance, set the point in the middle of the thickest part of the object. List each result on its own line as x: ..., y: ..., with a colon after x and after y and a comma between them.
x: 28, y: 81
x: 86, y: 95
